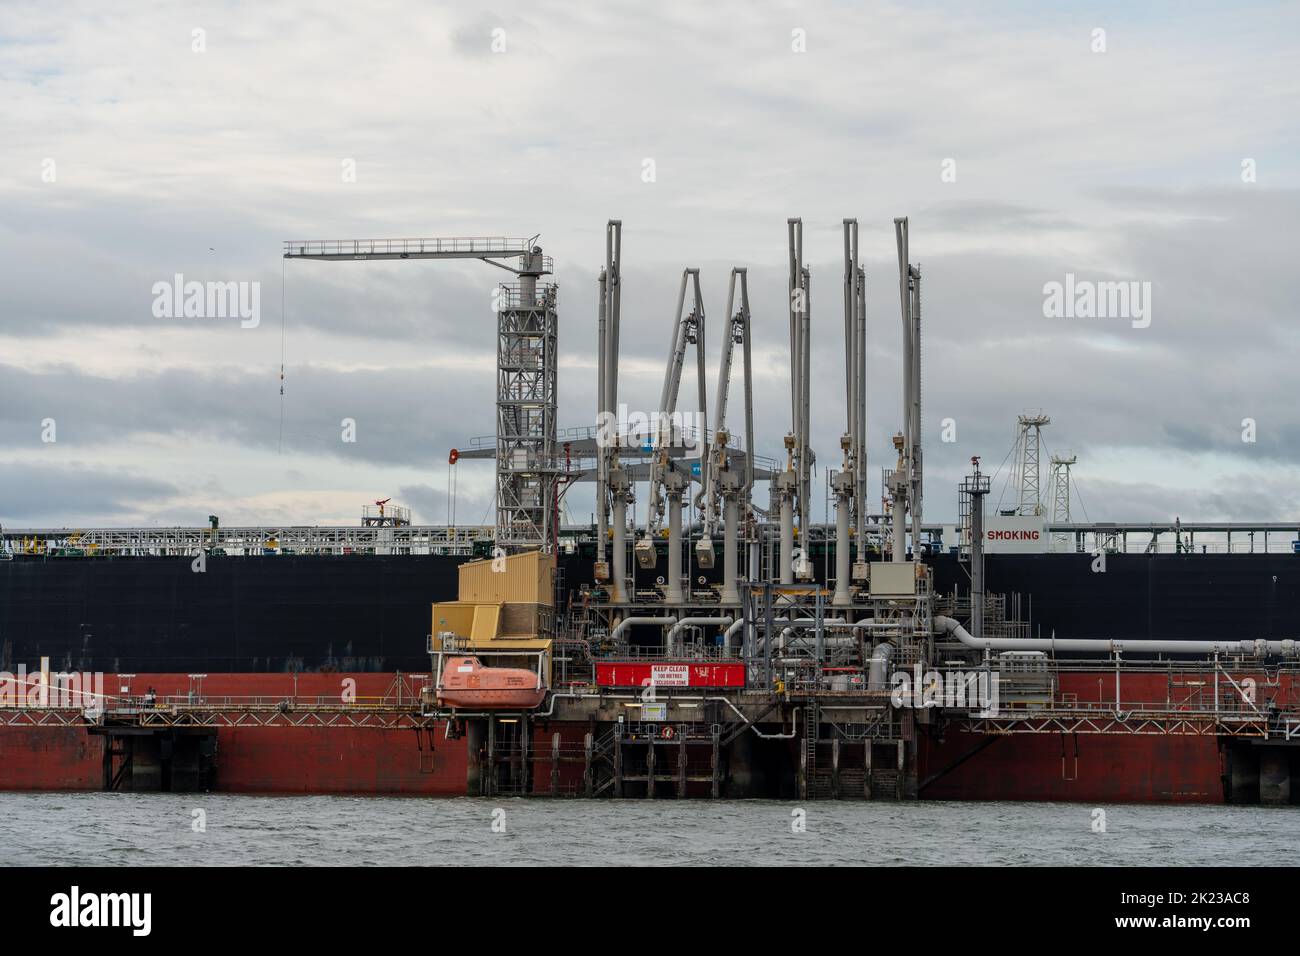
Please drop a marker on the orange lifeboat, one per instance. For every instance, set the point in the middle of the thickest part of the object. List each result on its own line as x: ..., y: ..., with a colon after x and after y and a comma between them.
x: 467, y: 683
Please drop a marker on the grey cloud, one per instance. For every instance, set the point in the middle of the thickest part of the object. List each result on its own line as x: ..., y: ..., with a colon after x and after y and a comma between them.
x: 78, y: 494
x: 474, y: 38
x: 1244, y: 497
x: 988, y: 216
x: 428, y: 505
x: 402, y: 416
x: 79, y: 283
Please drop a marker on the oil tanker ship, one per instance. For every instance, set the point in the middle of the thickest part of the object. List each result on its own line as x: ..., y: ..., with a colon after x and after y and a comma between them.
x: 725, y: 649
x: 295, y: 631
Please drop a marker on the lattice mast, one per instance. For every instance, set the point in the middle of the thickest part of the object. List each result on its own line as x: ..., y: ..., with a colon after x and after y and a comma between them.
x: 527, y: 333
x: 1029, y: 444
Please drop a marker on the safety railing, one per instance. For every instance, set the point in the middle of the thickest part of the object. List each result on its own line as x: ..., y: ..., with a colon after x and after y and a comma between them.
x: 246, y: 542
x: 369, y: 247
x: 689, y: 653
x: 143, y: 702
x: 511, y: 295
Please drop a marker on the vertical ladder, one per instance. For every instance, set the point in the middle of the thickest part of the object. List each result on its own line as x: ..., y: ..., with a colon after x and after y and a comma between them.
x: 808, y: 758
x: 559, y: 594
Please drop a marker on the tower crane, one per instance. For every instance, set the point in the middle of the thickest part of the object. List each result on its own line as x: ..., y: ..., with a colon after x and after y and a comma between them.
x: 527, y: 476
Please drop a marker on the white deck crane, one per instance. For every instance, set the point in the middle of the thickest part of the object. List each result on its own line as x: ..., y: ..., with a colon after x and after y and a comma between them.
x: 527, y: 496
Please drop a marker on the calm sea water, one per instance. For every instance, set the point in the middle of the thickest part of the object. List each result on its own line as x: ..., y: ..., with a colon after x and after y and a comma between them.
x: 154, y: 829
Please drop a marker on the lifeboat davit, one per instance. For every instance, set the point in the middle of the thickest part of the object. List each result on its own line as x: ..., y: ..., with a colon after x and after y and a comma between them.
x: 467, y: 683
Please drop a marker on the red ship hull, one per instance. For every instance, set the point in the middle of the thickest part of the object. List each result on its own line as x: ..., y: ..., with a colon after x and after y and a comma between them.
x: 954, y: 765
x: 1129, y: 769
x: 1092, y: 768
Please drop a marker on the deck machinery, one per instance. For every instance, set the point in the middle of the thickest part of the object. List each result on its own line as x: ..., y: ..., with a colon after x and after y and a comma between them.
x: 782, y: 675
x: 803, y: 641
x: 851, y: 671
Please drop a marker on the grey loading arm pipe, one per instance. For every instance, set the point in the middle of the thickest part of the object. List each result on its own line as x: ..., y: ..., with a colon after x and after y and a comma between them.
x: 627, y: 622
x: 947, y: 625
x: 692, y: 622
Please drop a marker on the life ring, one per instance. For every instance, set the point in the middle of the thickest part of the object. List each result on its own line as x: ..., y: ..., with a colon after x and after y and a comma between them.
x: 666, y: 733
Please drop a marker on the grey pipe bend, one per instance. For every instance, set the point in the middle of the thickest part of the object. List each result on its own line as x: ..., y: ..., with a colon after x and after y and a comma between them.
x: 731, y: 632
x: 693, y: 622
x: 877, y: 673
x: 627, y: 622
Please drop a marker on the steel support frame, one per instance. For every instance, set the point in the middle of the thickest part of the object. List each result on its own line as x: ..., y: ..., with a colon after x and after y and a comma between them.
x: 527, y: 353
x: 1167, y: 724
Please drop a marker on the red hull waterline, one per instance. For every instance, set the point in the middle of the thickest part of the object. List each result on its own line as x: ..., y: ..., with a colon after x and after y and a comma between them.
x: 366, y: 760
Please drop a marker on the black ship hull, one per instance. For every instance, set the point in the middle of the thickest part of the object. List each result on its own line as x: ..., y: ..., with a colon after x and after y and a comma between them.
x: 1143, y: 597
x: 241, y: 614
x: 360, y: 613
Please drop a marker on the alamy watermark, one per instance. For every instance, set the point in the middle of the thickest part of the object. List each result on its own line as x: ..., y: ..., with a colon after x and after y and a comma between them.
x: 919, y: 689
x: 43, y: 688
x: 74, y: 909
x: 650, y: 432
x: 1086, y: 299
x: 208, y: 300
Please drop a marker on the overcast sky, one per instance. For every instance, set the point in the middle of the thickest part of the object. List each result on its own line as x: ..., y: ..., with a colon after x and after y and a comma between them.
x: 135, y: 148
